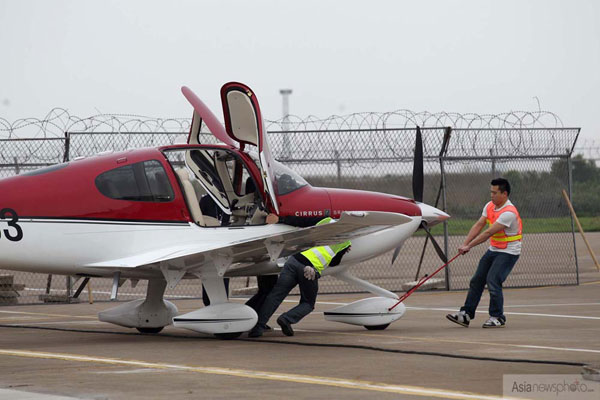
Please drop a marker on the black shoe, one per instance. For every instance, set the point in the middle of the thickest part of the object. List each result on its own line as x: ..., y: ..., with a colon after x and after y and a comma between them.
x: 460, y: 318
x: 286, y: 327
x: 255, y: 332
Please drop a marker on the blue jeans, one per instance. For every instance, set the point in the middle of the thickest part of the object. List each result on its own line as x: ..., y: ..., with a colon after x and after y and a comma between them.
x: 291, y: 275
x: 493, y: 270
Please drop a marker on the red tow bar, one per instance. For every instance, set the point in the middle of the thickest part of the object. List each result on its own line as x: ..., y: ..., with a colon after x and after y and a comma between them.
x: 421, y: 281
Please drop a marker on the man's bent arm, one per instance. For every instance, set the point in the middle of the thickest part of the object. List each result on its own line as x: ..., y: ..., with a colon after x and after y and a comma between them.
x: 475, y: 229
x: 485, y: 235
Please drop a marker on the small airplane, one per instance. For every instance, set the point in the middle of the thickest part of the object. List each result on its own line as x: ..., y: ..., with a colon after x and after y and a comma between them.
x: 199, y: 210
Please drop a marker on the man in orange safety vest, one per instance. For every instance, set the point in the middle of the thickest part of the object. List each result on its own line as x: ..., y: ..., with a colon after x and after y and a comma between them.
x: 505, y: 231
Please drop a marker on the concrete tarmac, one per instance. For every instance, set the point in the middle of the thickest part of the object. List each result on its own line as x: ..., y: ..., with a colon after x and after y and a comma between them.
x: 63, y: 351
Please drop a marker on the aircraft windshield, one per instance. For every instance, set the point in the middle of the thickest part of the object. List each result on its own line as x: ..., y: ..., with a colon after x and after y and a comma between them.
x: 287, y: 180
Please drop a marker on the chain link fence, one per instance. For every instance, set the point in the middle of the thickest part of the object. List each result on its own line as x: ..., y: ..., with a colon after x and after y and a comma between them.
x: 589, y: 150
x: 370, y: 152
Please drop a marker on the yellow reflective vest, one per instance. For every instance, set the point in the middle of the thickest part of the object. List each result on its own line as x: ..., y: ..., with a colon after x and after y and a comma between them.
x: 320, y: 257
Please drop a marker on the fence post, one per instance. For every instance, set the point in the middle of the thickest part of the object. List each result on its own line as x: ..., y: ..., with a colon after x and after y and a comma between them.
x: 447, y: 135
x: 48, y: 283
x: 17, y: 168
x: 447, y: 271
x: 339, y: 167
x: 69, y: 288
x: 67, y: 146
x: 493, y: 164
x: 570, y: 187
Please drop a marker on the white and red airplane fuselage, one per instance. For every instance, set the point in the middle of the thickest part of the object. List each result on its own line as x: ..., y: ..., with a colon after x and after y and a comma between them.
x: 194, y: 211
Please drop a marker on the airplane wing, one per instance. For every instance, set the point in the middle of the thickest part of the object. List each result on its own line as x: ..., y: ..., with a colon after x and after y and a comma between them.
x: 190, y: 259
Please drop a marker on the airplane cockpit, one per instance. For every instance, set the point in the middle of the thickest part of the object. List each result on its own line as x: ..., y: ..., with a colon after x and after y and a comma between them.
x: 218, y: 187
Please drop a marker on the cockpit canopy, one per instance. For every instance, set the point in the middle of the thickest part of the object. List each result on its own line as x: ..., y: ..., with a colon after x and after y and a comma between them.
x: 286, y: 180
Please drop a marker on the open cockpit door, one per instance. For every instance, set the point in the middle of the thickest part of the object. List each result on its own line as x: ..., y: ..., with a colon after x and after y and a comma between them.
x: 244, y: 124
x: 203, y: 114
x: 219, y: 184
x: 205, y: 170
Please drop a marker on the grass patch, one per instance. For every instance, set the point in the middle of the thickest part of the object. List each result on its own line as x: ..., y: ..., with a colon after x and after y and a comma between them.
x: 530, y: 225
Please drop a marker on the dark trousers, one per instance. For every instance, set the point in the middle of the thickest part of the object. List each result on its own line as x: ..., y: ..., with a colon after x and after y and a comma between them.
x: 266, y: 283
x: 493, y: 269
x: 291, y: 275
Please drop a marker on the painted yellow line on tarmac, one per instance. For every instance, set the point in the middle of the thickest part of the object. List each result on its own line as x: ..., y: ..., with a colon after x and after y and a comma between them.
x: 273, y: 376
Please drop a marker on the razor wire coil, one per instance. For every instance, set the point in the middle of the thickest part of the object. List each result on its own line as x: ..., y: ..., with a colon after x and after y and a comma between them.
x: 361, y: 136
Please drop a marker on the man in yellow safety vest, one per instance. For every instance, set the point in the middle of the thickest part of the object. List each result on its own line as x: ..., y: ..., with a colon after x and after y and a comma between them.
x: 303, y: 269
x: 505, y: 232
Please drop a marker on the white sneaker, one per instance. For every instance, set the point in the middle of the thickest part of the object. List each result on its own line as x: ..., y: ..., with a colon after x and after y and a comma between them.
x: 461, y: 318
x: 494, y: 322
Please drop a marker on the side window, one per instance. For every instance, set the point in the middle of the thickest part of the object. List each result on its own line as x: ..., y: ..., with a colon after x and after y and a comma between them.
x: 119, y: 184
x: 143, y: 181
x: 160, y: 187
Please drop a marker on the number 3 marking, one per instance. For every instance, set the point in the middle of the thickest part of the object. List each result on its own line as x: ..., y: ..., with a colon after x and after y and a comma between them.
x: 14, y: 218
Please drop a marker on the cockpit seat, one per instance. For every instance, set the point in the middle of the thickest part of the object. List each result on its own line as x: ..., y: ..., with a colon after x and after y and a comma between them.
x: 192, y: 201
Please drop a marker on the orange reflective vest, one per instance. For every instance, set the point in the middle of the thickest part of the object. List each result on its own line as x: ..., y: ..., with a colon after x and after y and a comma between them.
x: 499, y: 239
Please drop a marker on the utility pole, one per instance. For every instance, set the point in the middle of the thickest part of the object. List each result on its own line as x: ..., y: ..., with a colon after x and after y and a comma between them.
x: 285, y: 94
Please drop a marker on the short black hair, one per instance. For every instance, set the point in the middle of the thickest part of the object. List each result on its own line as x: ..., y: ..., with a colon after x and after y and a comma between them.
x: 502, y: 184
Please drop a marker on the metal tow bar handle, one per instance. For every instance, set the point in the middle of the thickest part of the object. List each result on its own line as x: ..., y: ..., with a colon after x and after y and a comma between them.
x: 421, y: 281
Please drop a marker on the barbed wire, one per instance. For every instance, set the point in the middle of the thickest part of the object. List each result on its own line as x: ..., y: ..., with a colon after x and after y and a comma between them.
x: 58, y: 122
x: 383, y: 136
x: 589, y: 149
x: 409, y: 119
x: 508, y: 134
